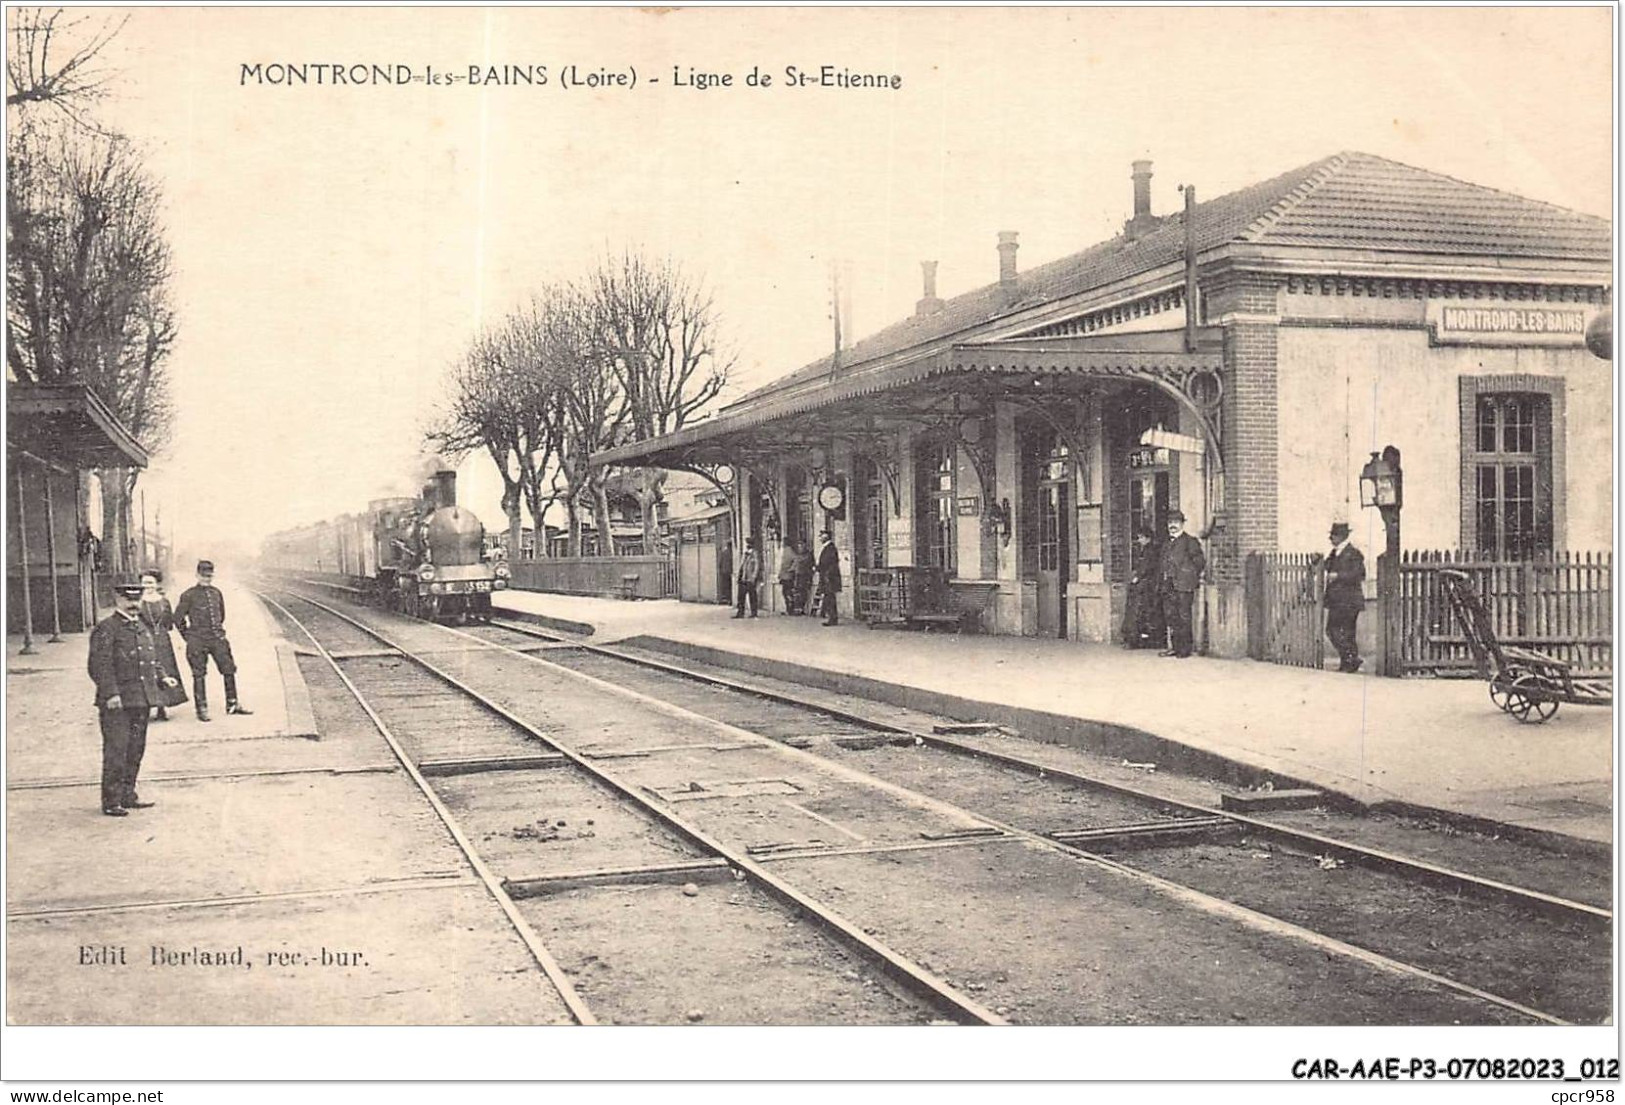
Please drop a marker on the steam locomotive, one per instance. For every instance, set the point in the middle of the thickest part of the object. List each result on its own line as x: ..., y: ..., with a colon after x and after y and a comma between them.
x: 426, y: 557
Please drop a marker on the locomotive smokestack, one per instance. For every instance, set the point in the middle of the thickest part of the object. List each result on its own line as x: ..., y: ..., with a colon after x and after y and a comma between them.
x: 445, y: 486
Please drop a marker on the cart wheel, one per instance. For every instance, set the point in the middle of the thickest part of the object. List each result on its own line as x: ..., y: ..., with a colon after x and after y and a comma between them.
x: 1501, y: 687
x: 1537, y: 705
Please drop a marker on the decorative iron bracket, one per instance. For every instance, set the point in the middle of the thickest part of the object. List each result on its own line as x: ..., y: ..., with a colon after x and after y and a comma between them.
x: 880, y: 449
x: 1066, y: 432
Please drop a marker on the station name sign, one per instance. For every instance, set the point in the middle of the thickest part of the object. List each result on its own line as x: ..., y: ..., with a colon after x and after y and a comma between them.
x: 1498, y: 322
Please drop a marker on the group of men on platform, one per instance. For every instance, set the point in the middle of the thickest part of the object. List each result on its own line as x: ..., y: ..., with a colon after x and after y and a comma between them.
x: 132, y: 662
x: 1166, y: 576
x: 797, y: 568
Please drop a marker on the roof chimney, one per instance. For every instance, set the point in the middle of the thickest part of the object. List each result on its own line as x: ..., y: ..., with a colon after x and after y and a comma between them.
x: 1007, y: 260
x: 1143, y: 221
x: 929, y: 304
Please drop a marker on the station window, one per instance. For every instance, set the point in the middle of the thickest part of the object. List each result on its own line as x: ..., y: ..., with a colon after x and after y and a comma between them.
x: 1509, y: 468
x: 934, y: 506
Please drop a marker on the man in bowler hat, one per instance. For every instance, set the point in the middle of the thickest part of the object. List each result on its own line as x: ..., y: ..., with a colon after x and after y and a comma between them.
x: 1345, y: 597
x: 201, y: 617
x: 129, y: 681
x: 1182, y: 564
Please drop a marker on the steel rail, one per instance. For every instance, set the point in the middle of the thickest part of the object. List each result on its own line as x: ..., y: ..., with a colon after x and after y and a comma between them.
x: 893, y: 963
x: 1208, y: 903
x: 1375, y: 858
x: 1215, y: 906
x: 550, y: 966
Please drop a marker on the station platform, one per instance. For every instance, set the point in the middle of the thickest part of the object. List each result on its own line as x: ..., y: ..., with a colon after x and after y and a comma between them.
x: 282, y: 877
x: 1413, y: 745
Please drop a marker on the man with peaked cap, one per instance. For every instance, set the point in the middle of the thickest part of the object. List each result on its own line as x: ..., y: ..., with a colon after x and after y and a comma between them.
x: 1182, y: 564
x: 129, y: 680
x: 201, y: 617
x: 1345, y: 597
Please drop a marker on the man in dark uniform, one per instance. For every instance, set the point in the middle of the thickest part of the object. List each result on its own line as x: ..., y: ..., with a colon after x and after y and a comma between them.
x: 1142, y: 614
x: 129, y: 682
x: 1182, y: 564
x: 1345, y: 597
x: 829, y: 578
x: 201, y: 617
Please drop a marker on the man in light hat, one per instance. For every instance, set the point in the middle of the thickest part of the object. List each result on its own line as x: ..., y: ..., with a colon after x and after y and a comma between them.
x: 750, y: 579
x: 1182, y: 564
x: 201, y: 617
x: 1345, y: 597
x: 129, y: 681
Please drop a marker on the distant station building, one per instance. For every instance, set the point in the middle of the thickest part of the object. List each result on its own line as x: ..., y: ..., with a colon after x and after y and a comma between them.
x: 1239, y: 360
x: 57, y: 435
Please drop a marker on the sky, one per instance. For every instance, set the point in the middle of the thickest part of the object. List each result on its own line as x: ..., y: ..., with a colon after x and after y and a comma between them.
x: 336, y: 248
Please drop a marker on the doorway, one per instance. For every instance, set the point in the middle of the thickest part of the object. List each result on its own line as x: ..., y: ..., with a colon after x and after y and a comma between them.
x: 1046, y: 537
x: 1153, y: 476
x: 869, y: 515
x: 1148, y: 508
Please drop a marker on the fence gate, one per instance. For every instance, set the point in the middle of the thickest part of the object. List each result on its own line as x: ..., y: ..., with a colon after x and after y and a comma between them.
x: 1285, y: 622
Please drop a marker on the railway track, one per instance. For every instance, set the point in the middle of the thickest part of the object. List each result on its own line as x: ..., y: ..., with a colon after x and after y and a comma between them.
x: 409, y: 707
x: 1085, y: 819
x: 857, y: 729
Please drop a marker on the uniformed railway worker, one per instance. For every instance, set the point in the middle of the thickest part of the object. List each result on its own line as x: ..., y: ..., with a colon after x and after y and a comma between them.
x: 201, y: 617
x: 129, y: 680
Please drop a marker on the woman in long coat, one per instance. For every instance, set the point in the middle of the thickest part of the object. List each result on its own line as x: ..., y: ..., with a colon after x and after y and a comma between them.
x: 804, y: 578
x: 1142, y: 617
x: 160, y: 618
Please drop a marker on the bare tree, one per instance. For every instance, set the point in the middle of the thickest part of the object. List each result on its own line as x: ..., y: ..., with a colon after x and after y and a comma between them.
x: 504, y: 399
x: 657, y: 330
x: 55, y: 61
x: 594, y: 412
x: 88, y: 269
x: 631, y: 353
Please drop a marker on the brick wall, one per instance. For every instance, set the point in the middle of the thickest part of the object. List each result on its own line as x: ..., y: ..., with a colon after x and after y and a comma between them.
x: 1246, y: 305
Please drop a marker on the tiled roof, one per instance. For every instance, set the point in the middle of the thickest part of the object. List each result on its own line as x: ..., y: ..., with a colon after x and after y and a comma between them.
x: 1346, y: 201
x: 1366, y: 202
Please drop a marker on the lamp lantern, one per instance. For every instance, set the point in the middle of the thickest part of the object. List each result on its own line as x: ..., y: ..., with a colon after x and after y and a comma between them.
x: 1382, y: 481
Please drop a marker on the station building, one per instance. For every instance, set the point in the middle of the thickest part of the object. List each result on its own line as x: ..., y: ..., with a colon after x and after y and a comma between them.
x: 58, y: 437
x: 1239, y: 360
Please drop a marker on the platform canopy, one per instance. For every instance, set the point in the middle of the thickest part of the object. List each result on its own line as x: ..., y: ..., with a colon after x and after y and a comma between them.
x: 67, y: 425
x: 953, y: 379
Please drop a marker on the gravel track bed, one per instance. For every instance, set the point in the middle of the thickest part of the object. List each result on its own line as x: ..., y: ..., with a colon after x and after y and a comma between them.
x: 1051, y: 914
x: 1555, y: 965
x: 714, y: 952
x: 1057, y: 942
x: 724, y: 955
